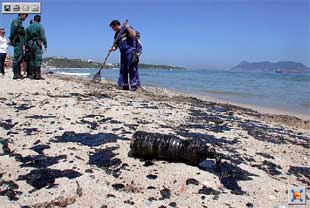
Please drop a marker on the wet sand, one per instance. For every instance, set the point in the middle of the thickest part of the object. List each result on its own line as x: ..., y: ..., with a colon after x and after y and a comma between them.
x: 65, y: 142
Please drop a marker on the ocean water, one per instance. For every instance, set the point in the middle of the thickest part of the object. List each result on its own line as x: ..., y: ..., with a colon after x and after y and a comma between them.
x: 289, y: 92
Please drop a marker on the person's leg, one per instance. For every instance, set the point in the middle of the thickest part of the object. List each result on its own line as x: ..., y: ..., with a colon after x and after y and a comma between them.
x: 120, y: 81
x: 38, y: 62
x: 28, y: 69
x: 32, y: 64
x: 137, y: 75
x: 126, y: 70
x: 131, y: 71
x: 2, y: 61
x: 18, y: 55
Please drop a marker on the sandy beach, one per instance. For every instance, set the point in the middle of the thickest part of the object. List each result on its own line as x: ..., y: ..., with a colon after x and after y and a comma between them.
x: 64, y: 142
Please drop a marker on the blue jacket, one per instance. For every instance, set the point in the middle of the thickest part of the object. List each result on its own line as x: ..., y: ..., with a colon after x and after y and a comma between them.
x: 125, y: 42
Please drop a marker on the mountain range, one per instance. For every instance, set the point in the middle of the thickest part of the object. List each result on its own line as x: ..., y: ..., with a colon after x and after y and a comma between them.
x: 266, y: 66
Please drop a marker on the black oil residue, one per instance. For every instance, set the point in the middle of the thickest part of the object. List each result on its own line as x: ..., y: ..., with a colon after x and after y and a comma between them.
x: 301, y: 172
x: 86, y: 138
x: 7, y: 124
x: 40, y: 178
x: 40, y: 148
x: 229, y: 176
x: 9, y: 189
x: 269, y: 167
x: 208, y: 191
x: 40, y: 117
x: 105, y: 159
x: 38, y: 161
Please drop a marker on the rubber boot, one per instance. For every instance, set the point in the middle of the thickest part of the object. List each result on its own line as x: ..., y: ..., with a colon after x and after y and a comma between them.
x: 38, y: 73
x: 133, y: 88
x: 32, y: 72
x: 16, y: 71
x: 125, y: 87
x: 28, y: 68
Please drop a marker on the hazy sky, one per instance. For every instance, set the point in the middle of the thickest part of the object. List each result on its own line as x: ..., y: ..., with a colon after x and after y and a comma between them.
x: 191, y: 33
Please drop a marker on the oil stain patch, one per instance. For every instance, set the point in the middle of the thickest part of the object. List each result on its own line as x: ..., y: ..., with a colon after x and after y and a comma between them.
x: 118, y: 186
x: 9, y: 189
x: 7, y: 124
x: 39, y: 161
x: 23, y: 107
x: 30, y: 131
x: 208, y: 191
x: 5, y: 147
x: 40, y: 148
x: 269, y: 167
x: 192, y: 181
x: 91, y: 124
x: 87, y: 139
x: 45, y: 177
x: 105, y: 159
x: 301, y: 172
x: 40, y: 117
x: 229, y: 176
x: 165, y: 194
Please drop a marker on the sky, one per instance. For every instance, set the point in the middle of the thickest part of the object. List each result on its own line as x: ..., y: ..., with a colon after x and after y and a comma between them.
x: 213, y: 34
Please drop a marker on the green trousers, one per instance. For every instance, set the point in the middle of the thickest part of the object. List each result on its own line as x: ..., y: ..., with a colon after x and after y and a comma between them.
x: 35, y: 55
x: 18, y: 57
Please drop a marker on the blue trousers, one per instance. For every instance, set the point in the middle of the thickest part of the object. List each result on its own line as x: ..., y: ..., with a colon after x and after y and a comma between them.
x: 137, y: 74
x: 127, y: 69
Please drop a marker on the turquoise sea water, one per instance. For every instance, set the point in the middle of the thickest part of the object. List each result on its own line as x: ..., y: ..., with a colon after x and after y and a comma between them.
x: 289, y: 92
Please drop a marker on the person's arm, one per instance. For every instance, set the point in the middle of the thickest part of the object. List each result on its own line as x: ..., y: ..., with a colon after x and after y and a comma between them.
x: 27, y: 35
x: 14, y: 26
x: 115, y: 43
x: 43, y: 37
x: 131, y: 31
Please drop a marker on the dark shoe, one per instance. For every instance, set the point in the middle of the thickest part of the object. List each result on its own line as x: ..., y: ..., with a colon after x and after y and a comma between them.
x: 29, y: 75
x: 17, y: 76
x: 38, y: 74
x: 126, y: 87
x: 133, y: 88
x: 32, y: 73
x: 15, y: 72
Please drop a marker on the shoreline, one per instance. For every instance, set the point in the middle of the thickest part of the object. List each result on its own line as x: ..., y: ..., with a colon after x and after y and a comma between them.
x: 260, y: 109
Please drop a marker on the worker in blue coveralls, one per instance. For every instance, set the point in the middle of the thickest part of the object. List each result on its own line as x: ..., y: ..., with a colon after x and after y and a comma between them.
x: 125, y: 40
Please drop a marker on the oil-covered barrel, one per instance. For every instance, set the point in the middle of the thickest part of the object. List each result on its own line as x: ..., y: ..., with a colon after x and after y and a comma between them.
x: 171, y: 148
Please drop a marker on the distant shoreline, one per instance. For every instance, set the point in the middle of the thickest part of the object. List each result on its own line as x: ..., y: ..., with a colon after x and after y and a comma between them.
x: 66, y: 63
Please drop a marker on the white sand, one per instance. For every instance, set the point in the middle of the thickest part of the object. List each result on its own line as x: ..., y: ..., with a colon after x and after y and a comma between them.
x: 68, y: 100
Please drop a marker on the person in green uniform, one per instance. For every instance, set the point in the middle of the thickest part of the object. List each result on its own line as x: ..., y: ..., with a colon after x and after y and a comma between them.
x: 35, y: 37
x: 17, y: 37
x: 27, y: 59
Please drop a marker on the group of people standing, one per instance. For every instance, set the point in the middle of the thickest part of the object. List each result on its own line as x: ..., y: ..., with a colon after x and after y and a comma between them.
x: 28, y: 46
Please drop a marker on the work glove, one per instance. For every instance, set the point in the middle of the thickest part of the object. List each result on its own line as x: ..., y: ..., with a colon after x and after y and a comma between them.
x: 112, y: 49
